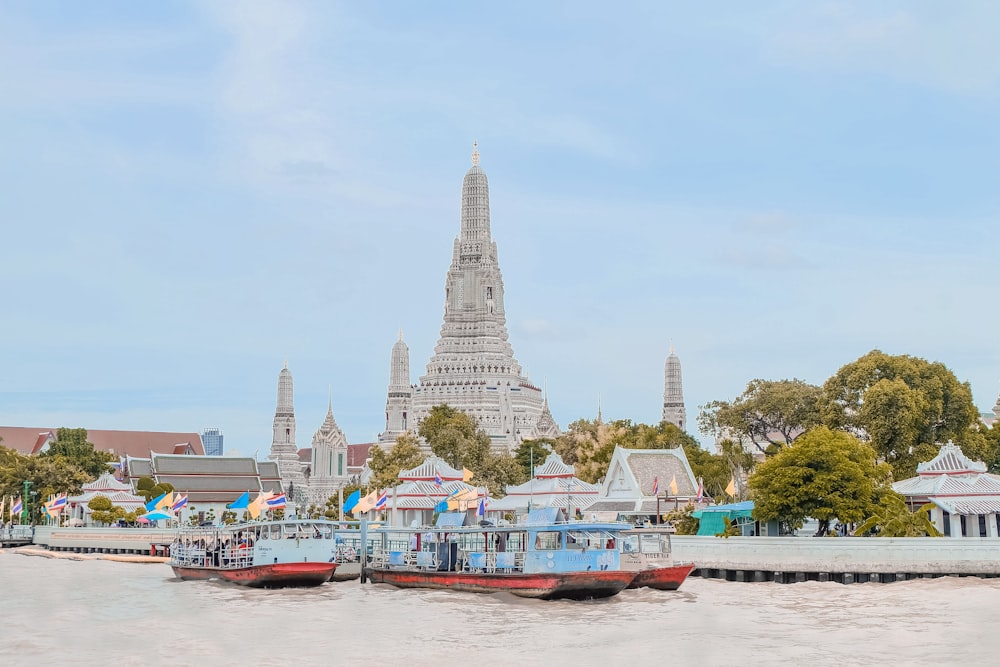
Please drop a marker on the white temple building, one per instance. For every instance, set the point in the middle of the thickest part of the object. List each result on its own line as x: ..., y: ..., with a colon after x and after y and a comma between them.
x: 415, y: 499
x: 966, y: 498
x: 554, y: 484
x: 473, y: 368
x: 119, y: 493
x: 327, y: 470
x: 642, y: 482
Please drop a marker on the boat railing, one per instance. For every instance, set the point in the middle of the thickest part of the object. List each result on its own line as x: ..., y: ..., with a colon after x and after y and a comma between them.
x: 494, y: 561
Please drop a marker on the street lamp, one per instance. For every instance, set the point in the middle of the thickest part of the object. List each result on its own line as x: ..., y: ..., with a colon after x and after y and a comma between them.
x: 24, y: 504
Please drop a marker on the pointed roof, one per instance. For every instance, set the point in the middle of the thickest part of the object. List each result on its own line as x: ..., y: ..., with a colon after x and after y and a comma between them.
x: 554, y: 467
x: 106, y: 483
x: 950, y: 461
x: 431, y: 467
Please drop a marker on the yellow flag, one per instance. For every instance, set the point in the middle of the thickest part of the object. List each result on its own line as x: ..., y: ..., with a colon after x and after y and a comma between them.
x: 673, y: 485
x: 259, y: 504
x: 166, y: 502
x: 466, y: 474
x: 366, y: 503
x: 731, y: 489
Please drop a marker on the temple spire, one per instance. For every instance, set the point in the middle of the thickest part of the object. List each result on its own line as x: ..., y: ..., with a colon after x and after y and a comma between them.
x: 673, y: 391
x: 475, y: 153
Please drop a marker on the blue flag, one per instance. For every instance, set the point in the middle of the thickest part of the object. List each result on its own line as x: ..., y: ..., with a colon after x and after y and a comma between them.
x: 441, y: 506
x: 151, y: 505
x: 352, y: 500
x: 241, y: 503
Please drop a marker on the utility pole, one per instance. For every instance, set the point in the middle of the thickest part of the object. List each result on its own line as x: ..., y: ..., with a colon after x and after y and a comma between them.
x: 24, y: 503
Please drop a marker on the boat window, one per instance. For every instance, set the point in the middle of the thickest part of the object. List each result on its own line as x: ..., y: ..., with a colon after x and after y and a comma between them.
x: 630, y: 544
x: 290, y: 529
x: 275, y: 532
x: 548, y: 540
x: 650, y: 543
x: 325, y: 531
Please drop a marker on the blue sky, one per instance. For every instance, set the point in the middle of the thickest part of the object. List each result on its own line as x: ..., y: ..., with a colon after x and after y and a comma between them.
x: 196, y: 192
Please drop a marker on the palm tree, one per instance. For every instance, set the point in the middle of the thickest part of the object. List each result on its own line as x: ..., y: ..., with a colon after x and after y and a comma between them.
x: 894, y: 519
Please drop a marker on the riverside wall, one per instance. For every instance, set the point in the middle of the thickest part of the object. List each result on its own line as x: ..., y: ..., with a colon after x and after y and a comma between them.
x: 151, y: 541
x: 842, y: 559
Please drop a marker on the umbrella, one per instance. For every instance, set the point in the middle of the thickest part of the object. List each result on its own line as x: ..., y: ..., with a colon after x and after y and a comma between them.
x: 142, y: 519
x: 156, y: 515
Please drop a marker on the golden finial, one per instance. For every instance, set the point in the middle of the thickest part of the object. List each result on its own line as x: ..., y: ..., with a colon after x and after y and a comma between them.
x: 475, y: 153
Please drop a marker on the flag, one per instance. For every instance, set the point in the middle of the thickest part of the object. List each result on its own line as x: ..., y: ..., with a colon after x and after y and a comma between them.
x: 165, y: 502
x: 240, y: 503
x: 16, y: 507
x: 673, y: 486
x: 441, y: 506
x: 352, y: 500
x: 259, y: 504
x: 656, y: 486
x: 59, y: 502
x: 365, y: 503
x: 481, y: 510
x: 277, y: 502
x: 437, y: 480
x: 179, y: 503
x: 701, y: 490
x: 466, y: 474
x: 380, y: 503
x: 154, y: 503
x: 731, y: 489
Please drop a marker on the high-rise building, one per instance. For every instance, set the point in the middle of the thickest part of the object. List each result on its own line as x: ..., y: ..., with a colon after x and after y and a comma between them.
x: 283, y: 448
x: 673, y: 391
x: 212, y: 439
x: 473, y: 368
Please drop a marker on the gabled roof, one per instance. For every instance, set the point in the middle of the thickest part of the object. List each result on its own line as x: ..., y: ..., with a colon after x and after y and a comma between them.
x: 432, y: 467
x: 121, y: 443
x: 969, y: 505
x: 105, y: 484
x: 357, y: 454
x: 554, y: 467
x: 950, y: 460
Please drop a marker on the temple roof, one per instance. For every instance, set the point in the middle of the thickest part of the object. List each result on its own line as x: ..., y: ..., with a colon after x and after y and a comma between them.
x: 554, y: 467
x: 968, y: 505
x: 120, y: 443
x: 949, y: 461
x: 431, y: 467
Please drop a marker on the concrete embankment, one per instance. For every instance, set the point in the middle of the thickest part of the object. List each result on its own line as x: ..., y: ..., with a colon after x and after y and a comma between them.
x: 45, y: 553
x: 840, y: 559
x: 113, y: 541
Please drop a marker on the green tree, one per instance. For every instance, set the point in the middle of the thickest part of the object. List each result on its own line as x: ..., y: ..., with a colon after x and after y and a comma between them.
x: 892, y: 518
x: 72, y: 444
x: 825, y: 475
x: 500, y: 471
x: 455, y: 437
x: 769, y: 413
x: 385, y: 466
x: 594, y: 455
x: 714, y: 470
x: 901, y: 405
x: 530, y: 454
x: 100, y: 509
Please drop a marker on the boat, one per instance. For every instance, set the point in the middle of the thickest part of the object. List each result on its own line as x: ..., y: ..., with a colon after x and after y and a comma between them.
x: 646, y: 552
x: 540, y: 559
x: 265, y: 554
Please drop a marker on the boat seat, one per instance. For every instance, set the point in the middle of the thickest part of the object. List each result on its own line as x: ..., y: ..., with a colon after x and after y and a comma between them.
x: 477, y: 561
x: 505, y: 560
x: 397, y: 558
x: 426, y: 559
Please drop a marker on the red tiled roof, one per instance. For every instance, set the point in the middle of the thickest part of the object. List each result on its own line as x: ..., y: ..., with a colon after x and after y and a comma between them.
x: 358, y: 454
x: 132, y: 443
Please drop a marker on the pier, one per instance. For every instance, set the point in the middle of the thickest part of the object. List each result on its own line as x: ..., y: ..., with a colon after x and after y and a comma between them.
x: 844, y: 560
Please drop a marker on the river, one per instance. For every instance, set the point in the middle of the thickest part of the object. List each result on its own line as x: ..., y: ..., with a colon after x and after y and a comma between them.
x: 91, y: 612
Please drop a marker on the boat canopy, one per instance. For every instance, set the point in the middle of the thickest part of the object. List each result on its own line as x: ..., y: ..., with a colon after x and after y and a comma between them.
x: 450, y: 520
x: 544, y: 515
x: 711, y: 518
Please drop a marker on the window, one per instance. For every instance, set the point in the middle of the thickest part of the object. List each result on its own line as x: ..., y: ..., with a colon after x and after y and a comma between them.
x: 549, y: 540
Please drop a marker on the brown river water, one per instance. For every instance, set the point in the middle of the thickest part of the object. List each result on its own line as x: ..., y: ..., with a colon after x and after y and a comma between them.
x: 96, y: 612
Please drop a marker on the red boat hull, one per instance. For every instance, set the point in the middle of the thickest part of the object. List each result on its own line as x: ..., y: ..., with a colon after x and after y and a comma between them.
x: 544, y: 585
x: 277, y: 575
x: 662, y: 578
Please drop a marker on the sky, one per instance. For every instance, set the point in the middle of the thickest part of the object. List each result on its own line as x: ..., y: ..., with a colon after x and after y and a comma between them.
x: 195, y: 193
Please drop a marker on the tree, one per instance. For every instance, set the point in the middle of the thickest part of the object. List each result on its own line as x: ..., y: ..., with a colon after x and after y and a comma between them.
x: 385, y: 466
x: 72, y: 444
x: 594, y: 455
x: 455, y: 437
x: 500, y: 471
x: 900, y: 404
x: 715, y: 470
x: 769, y: 413
x: 825, y: 475
x: 532, y: 453
x: 892, y: 518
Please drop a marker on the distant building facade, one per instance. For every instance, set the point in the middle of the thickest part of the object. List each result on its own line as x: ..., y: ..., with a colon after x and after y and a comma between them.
x: 212, y: 439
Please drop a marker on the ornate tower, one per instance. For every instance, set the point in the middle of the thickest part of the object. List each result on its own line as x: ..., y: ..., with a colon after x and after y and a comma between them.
x: 673, y: 392
x: 283, y: 448
x: 399, y: 399
x: 473, y: 368
x: 329, y: 459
